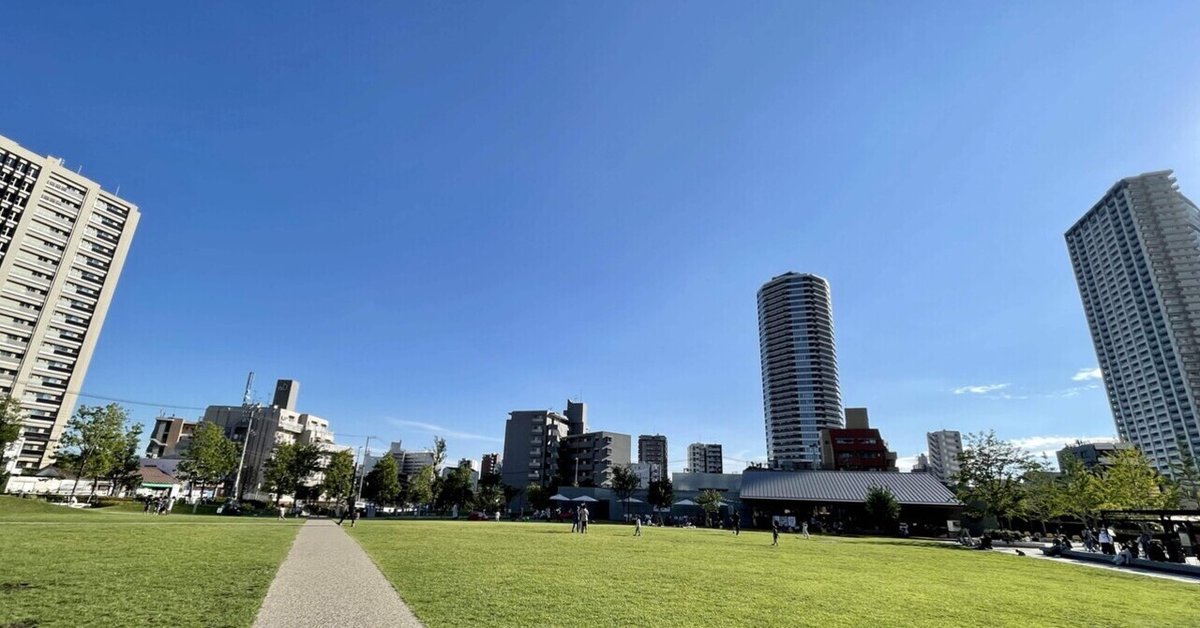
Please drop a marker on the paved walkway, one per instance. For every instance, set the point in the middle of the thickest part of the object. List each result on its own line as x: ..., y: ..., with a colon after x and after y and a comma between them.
x: 328, y: 580
x: 1033, y: 553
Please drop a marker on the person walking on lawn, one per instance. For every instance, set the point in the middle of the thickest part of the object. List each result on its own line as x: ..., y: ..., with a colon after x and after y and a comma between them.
x: 774, y: 533
x: 637, y: 526
x: 350, y: 512
x: 583, y: 519
x: 737, y: 524
x: 575, y: 520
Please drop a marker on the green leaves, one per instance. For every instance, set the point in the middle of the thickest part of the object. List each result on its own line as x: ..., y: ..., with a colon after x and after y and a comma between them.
x: 211, y: 457
x: 97, y: 444
x: 882, y: 507
x: 339, y: 475
x: 290, y: 466
x: 624, y: 481
x: 382, y: 484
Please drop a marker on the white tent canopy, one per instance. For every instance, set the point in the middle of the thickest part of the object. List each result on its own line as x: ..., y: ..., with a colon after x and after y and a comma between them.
x: 685, y: 502
x: 585, y: 498
x: 560, y: 498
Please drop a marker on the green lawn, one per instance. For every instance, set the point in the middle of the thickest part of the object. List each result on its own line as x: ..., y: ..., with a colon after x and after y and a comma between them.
x: 484, y: 573
x: 118, y: 567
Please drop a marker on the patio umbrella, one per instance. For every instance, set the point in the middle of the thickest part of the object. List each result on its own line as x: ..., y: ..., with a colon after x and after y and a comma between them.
x: 685, y: 502
x: 585, y: 498
x: 633, y: 500
x: 560, y: 498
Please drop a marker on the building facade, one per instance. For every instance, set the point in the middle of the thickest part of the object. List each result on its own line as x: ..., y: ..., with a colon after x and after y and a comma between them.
x: 1136, y: 256
x: 801, y: 395
x: 646, y: 473
x: 705, y: 458
x: 490, y: 464
x: 589, y: 459
x: 531, y: 447
x: 170, y: 437
x: 652, y: 449
x: 922, y: 465
x: 63, y: 242
x: 944, y: 448
x: 856, y: 447
x: 1092, y: 455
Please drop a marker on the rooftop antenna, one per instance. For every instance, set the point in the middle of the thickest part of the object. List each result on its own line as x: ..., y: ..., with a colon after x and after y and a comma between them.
x: 249, y: 384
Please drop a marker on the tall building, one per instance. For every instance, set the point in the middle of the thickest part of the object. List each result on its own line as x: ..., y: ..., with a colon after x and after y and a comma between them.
x: 576, y: 414
x: 1136, y: 255
x: 588, y: 459
x: 490, y: 464
x: 944, y: 448
x: 653, y: 450
x: 63, y: 243
x: 705, y: 458
x: 531, y: 447
x: 170, y: 437
x: 922, y: 465
x: 856, y: 447
x: 801, y: 396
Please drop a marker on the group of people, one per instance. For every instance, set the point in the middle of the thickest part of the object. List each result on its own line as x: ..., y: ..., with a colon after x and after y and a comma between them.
x: 160, y: 505
x: 579, y: 522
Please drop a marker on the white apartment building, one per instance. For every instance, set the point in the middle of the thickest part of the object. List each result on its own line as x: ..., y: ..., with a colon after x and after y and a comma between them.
x: 1136, y: 255
x: 705, y: 458
x: 944, y: 448
x: 646, y: 473
x: 801, y: 395
x: 63, y: 243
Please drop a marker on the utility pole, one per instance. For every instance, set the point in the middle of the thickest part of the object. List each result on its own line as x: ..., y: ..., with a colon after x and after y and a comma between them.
x: 237, y: 482
x: 362, y: 469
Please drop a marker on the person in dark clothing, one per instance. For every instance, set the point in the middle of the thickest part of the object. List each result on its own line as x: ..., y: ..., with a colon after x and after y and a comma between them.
x: 774, y: 533
x: 737, y: 524
x: 350, y: 511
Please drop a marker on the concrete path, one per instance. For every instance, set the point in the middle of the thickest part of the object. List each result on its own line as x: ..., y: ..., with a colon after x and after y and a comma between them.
x: 1037, y: 554
x: 328, y: 580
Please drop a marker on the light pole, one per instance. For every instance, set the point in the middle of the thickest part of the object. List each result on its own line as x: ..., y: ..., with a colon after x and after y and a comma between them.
x: 362, y: 470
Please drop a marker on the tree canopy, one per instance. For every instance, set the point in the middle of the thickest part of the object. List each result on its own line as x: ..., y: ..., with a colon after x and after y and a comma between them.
x: 95, y: 442
x: 382, y: 484
x: 290, y: 466
x: 661, y: 493
x: 624, y: 482
x: 882, y: 507
x: 210, y: 458
x: 989, y: 482
x: 339, y: 475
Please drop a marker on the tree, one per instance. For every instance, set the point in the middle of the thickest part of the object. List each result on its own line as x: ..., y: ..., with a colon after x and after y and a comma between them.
x: 1081, y: 491
x: 92, y: 441
x: 661, y: 494
x: 538, y: 496
x: 290, y: 466
x: 882, y: 507
x: 382, y: 484
x: 488, y: 497
x: 624, y: 483
x: 1131, y: 483
x: 456, y: 488
x: 339, y: 475
x: 126, y: 469
x: 209, y: 459
x: 1186, y: 472
x: 991, y: 472
x: 710, y: 501
x: 439, y: 452
x: 1044, y: 498
x: 420, y: 486
x: 11, y: 419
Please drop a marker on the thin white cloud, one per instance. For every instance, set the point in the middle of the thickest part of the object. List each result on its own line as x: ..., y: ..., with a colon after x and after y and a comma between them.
x: 1087, y: 375
x: 906, y: 463
x: 442, y: 431
x: 982, y: 389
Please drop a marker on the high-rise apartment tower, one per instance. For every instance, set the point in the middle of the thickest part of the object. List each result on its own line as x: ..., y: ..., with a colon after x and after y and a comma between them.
x: 799, y: 368
x: 944, y: 448
x: 63, y: 243
x: 653, y: 450
x: 1136, y: 255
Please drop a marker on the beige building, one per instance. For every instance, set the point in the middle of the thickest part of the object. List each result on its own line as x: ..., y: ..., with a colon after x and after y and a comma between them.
x: 63, y: 243
x: 170, y: 437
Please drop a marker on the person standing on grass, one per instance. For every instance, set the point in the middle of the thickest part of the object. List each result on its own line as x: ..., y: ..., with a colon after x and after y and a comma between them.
x: 637, y: 526
x: 1089, y: 540
x: 804, y: 530
x: 774, y: 532
x: 1106, y: 541
x: 575, y: 520
x: 737, y: 524
x: 583, y: 519
x: 346, y: 513
x: 282, y: 510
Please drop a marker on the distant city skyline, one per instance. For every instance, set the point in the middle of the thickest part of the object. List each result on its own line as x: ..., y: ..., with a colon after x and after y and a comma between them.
x: 431, y: 216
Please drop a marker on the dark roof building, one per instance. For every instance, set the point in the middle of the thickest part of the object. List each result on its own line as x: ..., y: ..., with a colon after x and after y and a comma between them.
x: 1092, y: 455
x: 840, y: 495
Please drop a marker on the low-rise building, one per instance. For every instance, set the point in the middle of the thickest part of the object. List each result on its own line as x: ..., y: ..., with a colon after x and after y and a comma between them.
x: 646, y: 473
x: 170, y: 437
x: 1092, y: 455
x: 856, y: 447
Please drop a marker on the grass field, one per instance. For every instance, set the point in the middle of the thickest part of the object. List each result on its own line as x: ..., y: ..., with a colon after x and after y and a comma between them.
x: 512, y: 574
x: 118, y: 567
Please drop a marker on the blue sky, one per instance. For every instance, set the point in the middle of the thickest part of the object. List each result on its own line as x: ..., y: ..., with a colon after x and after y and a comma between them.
x: 434, y: 213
